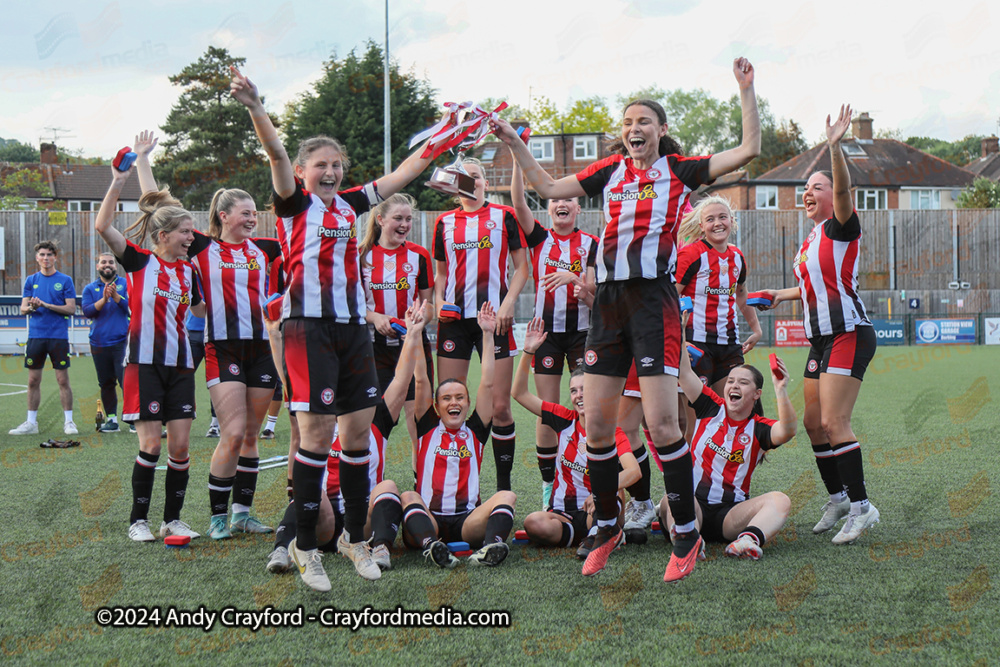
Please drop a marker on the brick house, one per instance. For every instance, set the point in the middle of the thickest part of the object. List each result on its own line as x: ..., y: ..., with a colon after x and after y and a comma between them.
x: 885, y: 174
x: 988, y: 164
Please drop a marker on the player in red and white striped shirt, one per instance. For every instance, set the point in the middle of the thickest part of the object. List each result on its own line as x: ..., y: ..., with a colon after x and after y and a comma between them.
x: 473, y: 245
x: 841, y: 338
x: 328, y: 354
x: 713, y: 273
x: 566, y: 520
x: 395, y: 272
x: 159, y: 378
x: 446, y: 506
x: 730, y: 440
x: 562, y: 260
x: 233, y: 268
x: 645, y: 186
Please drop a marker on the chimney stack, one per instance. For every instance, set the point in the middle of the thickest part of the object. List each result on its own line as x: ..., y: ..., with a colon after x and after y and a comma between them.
x: 990, y: 145
x: 49, y: 154
x: 861, y: 127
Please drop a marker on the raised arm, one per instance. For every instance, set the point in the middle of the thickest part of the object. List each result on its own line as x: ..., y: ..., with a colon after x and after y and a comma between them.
x: 395, y: 393
x: 282, y: 174
x: 525, y: 218
x: 843, y: 203
x: 546, y: 186
x: 114, y: 238
x: 750, y: 315
x: 784, y: 430
x: 519, y: 391
x: 401, y: 176
x: 144, y: 144
x: 734, y: 158
x: 688, y: 380
x: 484, y: 397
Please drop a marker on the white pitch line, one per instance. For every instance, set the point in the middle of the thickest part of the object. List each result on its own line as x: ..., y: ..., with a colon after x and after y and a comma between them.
x: 14, y: 393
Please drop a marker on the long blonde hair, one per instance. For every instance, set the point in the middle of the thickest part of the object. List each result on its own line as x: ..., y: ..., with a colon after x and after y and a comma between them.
x: 223, y: 200
x: 690, y: 227
x: 161, y: 212
x: 374, y: 231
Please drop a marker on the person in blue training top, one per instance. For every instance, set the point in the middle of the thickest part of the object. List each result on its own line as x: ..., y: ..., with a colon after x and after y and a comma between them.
x: 49, y: 300
x: 105, y: 302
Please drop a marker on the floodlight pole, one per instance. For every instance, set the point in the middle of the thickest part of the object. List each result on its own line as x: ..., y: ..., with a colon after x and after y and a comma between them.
x: 387, y: 155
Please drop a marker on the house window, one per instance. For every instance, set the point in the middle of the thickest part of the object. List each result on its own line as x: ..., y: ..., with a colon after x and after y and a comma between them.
x: 585, y: 148
x: 870, y: 200
x: 767, y: 196
x: 541, y: 149
x: 488, y: 154
x: 799, y: 191
x: 76, y: 205
x: 925, y: 199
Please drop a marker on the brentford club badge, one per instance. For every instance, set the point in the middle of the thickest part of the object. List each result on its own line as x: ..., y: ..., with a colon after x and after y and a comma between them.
x: 653, y: 174
x: 407, y: 267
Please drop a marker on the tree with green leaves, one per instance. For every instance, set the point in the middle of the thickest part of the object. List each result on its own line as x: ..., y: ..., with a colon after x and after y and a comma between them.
x: 982, y: 193
x: 209, y: 140
x: 347, y: 103
x: 18, y: 187
x: 12, y: 150
x: 960, y: 152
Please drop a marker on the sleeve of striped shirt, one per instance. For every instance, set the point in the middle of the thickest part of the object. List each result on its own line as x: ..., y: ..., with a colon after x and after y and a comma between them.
x: 687, y: 267
x: 201, y: 241
x: 133, y: 258
x: 383, y: 420
x: 439, y: 253
x: 556, y: 417
x: 762, y: 431
x: 515, y: 237
x: 478, y: 428
x: 693, y: 171
x: 596, y: 176
x: 427, y: 423
x: 425, y: 277
x: 361, y: 198
x: 537, y: 235
x: 592, y: 254
x: 621, y: 442
x: 846, y: 232
x: 298, y: 202
x: 743, y: 268
x: 708, y: 404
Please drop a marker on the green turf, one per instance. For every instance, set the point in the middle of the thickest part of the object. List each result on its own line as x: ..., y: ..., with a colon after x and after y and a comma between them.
x: 919, y: 588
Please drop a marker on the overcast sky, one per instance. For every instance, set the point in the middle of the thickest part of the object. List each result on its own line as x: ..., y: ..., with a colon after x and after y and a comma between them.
x: 98, y: 70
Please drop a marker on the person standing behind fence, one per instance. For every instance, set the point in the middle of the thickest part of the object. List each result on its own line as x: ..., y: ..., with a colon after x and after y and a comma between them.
x: 841, y: 337
x: 49, y: 300
x: 105, y: 302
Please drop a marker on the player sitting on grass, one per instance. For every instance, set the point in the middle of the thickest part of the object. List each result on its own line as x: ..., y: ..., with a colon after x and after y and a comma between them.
x: 566, y: 520
x: 446, y: 505
x: 730, y: 440
x: 384, y: 508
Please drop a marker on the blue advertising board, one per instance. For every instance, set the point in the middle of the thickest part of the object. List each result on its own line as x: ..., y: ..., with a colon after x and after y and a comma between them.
x: 945, y: 331
x: 889, y: 332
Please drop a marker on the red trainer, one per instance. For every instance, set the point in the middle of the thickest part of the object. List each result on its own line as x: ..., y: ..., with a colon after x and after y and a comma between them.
x: 597, y: 559
x: 678, y: 568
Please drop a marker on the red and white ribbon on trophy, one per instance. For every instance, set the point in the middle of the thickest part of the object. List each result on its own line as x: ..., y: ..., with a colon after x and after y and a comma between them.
x: 461, y: 128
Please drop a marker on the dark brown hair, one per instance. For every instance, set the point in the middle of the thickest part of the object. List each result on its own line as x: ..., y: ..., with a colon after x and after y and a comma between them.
x: 668, y: 145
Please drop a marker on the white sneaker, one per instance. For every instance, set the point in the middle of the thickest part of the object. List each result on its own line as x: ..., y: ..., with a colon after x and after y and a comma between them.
x: 640, y: 519
x: 213, y: 431
x: 359, y: 554
x: 629, y: 511
x: 27, y: 428
x: 310, y: 567
x: 855, y: 525
x: 279, y: 561
x: 69, y: 428
x: 177, y: 527
x: 832, y: 513
x: 744, y: 547
x: 380, y: 556
x: 139, y: 532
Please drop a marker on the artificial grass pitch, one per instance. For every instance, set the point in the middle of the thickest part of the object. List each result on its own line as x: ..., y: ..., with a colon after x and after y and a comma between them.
x: 921, y: 586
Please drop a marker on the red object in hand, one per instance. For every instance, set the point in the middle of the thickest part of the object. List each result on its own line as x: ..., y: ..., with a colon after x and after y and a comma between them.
x: 272, y: 307
x: 123, y: 161
x: 773, y: 359
x: 450, y: 312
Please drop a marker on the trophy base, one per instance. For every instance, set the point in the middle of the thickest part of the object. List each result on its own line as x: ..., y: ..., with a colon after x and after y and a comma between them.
x: 452, y: 182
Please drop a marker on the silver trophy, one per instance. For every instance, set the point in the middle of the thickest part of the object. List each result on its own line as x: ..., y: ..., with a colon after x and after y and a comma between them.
x: 453, y: 180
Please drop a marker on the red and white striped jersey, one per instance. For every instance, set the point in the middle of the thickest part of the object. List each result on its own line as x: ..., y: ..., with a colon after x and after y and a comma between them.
x: 726, y: 452
x: 474, y: 247
x: 448, y: 463
x: 827, y: 270
x: 572, y: 483
x: 642, y: 210
x: 710, y: 278
x: 550, y: 253
x: 233, y: 281
x: 320, y: 249
x: 381, y: 427
x: 159, y: 295
x: 392, y: 278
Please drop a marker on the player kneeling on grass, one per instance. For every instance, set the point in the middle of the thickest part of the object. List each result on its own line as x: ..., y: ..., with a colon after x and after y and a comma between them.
x: 445, y: 507
x: 730, y: 440
x: 384, y: 508
x: 569, y: 514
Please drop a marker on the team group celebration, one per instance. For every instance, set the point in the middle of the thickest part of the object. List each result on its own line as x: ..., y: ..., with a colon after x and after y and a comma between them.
x: 651, y: 321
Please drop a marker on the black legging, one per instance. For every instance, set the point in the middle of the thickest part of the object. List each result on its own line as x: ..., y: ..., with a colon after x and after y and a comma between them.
x: 109, y: 362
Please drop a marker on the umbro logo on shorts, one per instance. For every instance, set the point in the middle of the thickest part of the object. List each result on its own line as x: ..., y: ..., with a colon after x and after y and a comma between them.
x: 647, y: 362
x: 372, y: 391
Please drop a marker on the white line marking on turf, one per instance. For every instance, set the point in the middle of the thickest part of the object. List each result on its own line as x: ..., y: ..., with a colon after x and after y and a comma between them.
x: 14, y: 393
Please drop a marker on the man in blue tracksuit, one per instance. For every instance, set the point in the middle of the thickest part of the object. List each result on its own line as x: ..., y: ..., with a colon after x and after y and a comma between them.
x: 48, y: 300
x: 105, y: 302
